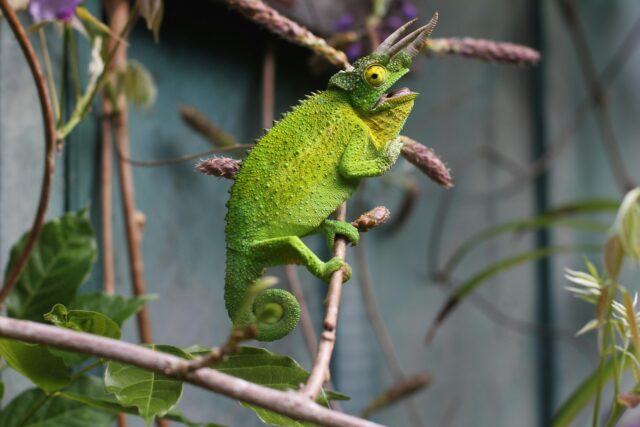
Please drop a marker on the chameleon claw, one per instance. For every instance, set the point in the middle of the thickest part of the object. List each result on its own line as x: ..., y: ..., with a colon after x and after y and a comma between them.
x: 333, y: 265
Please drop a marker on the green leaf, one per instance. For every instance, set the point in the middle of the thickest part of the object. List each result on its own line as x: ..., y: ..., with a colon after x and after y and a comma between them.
x: 1, y: 389
x: 263, y: 367
x: 59, y: 264
x: 153, y: 394
x: 613, y: 257
x: 37, y: 363
x: 494, y: 269
x: 581, y: 397
x: 116, y: 307
x: 136, y: 83
x: 33, y: 408
x: 83, y: 321
x: 552, y: 218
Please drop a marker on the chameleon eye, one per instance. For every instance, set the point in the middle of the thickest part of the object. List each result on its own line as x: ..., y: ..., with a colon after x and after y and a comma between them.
x: 375, y: 75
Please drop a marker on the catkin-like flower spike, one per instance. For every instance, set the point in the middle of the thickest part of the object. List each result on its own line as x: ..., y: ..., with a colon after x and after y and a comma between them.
x: 223, y: 167
x: 485, y: 50
x: 371, y: 219
x: 427, y: 161
x: 289, y: 30
x: 202, y: 125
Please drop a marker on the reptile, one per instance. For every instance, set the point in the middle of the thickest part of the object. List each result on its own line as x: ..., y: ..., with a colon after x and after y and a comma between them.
x: 303, y: 168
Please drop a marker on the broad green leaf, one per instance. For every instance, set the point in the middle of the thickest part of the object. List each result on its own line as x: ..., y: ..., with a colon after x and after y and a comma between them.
x: 153, y: 394
x: 116, y: 307
x: 581, y: 397
x: 83, y: 321
x: 92, y: 393
x: 59, y: 264
x: 263, y: 367
x: 33, y: 408
x: 35, y: 362
x: 496, y: 268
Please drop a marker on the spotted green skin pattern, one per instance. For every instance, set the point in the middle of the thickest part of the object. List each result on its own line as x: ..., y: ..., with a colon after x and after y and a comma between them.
x: 299, y: 172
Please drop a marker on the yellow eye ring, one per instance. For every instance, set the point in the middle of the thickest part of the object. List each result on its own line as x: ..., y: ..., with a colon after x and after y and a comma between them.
x: 375, y: 75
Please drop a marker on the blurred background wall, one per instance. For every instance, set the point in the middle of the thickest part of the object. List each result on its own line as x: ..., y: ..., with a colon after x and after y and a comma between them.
x: 507, y: 356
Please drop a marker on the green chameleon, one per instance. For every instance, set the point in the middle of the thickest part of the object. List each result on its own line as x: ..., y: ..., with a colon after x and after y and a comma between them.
x: 303, y: 168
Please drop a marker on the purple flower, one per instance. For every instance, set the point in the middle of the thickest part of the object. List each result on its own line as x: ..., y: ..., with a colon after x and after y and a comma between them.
x: 394, y: 22
x: 50, y: 10
x: 355, y: 51
x: 409, y: 10
x: 344, y: 22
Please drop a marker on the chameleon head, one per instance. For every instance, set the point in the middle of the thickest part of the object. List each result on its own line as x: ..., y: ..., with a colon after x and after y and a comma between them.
x: 370, y: 77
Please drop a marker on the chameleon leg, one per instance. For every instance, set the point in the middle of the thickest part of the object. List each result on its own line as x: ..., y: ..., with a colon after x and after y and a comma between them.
x: 354, y: 162
x: 332, y: 227
x: 291, y: 250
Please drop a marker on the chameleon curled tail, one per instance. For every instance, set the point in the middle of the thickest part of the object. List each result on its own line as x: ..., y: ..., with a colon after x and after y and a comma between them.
x: 275, y: 312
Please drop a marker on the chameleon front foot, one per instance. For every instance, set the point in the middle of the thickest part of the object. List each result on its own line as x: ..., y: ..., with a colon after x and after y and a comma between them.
x: 332, y: 227
x: 333, y: 265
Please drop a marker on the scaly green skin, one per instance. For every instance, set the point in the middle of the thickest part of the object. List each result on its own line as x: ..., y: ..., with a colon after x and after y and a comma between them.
x: 297, y: 175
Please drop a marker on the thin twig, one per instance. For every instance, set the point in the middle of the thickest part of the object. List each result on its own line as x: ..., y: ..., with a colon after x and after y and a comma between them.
x: 217, y: 354
x: 320, y: 369
x: 49, y: 139
x: 288, y: 403
x: 180, y: 159
x: 119, y: 11
x: 119, y: 19
x: 594, y: 85
x: 402, y: 389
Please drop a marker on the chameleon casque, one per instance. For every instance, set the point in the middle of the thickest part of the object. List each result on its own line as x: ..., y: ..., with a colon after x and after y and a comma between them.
x: 303, y: 168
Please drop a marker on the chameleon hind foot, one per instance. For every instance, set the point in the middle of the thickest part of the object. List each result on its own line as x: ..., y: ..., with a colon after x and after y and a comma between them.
x: 332, y: 227
x: 333, y: 265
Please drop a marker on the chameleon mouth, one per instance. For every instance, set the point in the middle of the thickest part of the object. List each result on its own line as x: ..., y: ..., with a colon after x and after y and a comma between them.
x: 396, y: 96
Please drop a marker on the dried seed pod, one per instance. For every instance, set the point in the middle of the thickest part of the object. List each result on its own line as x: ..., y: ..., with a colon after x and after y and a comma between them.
x: 427, y: 161
x: 223, y: 167
x: 371, y: 219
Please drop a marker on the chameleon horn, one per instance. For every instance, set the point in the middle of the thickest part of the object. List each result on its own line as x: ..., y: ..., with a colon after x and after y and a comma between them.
x: 417, y: 44
x: 389, y: 41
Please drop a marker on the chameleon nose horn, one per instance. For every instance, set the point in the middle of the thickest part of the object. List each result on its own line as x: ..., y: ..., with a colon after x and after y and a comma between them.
x: 411, y: 43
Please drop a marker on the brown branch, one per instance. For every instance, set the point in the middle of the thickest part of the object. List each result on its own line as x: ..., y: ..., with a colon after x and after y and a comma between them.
x: 485, y: 50
x: 289, y: 30
x: 309, y: 334
x: 118, y: 11
x: 106, y: 195
x: 180, y: 159
x: 289, y: 403
x: 49, y: 140
x: 320, y: 369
